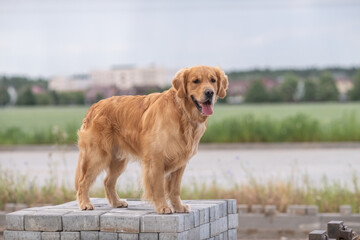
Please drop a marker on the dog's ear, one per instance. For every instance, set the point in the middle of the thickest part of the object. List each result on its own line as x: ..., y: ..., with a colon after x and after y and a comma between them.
x: 179, y: 82
x: 223, y: 82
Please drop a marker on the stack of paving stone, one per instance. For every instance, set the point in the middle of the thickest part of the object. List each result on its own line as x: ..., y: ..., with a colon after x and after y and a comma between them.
x: 208, y: 219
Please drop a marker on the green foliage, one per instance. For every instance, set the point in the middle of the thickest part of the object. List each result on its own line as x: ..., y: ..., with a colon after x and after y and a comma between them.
x: 310, y: 90
x: 297, y: 128
x: 355, y: 92
x: 256, y: 92
x: 327, y: 90
x: 4, y: 96
x: 274, y: 95
x: 73, y: 98
x: 288, y: 87
x: 26, y: 97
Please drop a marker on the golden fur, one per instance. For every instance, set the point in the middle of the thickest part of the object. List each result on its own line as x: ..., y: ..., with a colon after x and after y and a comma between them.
x: 161, y: 130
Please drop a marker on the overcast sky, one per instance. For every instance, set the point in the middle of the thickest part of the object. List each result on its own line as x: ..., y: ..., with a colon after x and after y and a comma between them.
x: 44, y: 38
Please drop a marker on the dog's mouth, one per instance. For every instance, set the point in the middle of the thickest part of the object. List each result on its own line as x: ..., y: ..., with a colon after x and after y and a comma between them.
x: 206, y: 107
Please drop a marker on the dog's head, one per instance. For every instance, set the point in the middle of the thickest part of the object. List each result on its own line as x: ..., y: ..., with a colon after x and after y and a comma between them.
x: 201, y: 85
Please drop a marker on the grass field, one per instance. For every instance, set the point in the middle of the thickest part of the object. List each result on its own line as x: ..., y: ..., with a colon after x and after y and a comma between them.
x: 39, y: 125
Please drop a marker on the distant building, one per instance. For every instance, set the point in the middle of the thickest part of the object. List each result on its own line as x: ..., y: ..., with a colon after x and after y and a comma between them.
x: 343, y: 85
x: 80, y: 82
x: 129, y: 76
x: 122, y: 77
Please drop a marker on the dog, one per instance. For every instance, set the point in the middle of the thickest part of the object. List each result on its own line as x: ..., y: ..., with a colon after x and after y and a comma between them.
x: 160, y: 130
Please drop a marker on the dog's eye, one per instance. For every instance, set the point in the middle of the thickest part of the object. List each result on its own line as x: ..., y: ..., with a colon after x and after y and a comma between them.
x: 213, y: 80
x: 196, y: 81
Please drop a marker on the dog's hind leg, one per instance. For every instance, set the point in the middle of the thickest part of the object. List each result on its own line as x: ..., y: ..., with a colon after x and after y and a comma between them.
x: 116, y: 168
x: 90, y: 166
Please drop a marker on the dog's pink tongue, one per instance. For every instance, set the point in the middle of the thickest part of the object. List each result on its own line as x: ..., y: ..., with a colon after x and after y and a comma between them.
x: 207, y: 109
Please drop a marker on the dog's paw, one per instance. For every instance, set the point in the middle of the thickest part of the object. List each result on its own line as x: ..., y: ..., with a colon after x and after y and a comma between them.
x: 165, y: 210
x: 86, y: 206
x: 120, y: 204
x: 182, y: 209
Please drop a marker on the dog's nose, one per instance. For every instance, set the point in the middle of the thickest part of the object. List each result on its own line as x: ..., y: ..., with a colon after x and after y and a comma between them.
x: 209, y: 93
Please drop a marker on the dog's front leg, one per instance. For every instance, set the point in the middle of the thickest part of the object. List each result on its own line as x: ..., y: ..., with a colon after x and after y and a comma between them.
x: 173, y: 185
x: 153, y: 179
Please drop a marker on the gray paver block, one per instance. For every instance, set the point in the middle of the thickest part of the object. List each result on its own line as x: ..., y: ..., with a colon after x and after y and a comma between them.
x: 194, y: 233
x: 174, y: 236
x: 50, y: 236
x: 46, y: 220
x: 148, y: 236
x: 129, y: 236
x: 297, y: 209
x: 205, y: 231
x: 257, y: 208
x: 204, y: 213
x: 232, y: 234
x: 9, y: 207
x: 163, y: 223
x: 82, y: 220
x: 89, y: 235
x: 222, y: 224
x: 120, y: 222
x: 345, y: 210
x: 231, y: 206
x: 15, y: 220
x: 242, y: 208
x: 270, y: 210
x: 189, y: 221
x: 312, y: 210
x: 10, y: 235
x: 70, y: 235
x: 108, y: 236
x: 318, y: 235
x: 233, y: 221
x: 214, y: 228
x: 22, y: 235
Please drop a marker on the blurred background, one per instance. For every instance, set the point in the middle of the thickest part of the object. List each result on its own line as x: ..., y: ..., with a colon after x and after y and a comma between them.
x: 287, y: 132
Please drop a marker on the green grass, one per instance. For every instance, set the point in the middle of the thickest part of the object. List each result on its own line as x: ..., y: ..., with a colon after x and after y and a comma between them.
x: 240, y: 123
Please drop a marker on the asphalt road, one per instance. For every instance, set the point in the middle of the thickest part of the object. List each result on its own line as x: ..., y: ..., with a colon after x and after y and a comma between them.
x: 225, y: 164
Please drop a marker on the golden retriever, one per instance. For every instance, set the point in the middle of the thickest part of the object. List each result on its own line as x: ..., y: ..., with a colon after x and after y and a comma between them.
x: 161, y: 130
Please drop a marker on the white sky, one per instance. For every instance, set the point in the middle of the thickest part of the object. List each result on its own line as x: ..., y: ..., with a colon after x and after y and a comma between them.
x: 44, y: 38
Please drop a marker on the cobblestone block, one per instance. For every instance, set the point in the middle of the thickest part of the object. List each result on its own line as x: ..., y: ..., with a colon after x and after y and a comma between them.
x: 318, y: 235
x: 89, y: 235
x: 20, y: 206
x: 11, y: 235
x: 345, y: 210
x: 189, y: 221
x: 9, y: 207
x: 233, y: 221
x: 270, y: 210
x: 194, y: 233
x: 232, y: 234
x: 108, y: 236
x: 174, y: 236
x: 130, y: 236
x: 148, y: 236
x: 214, y: 228
x: 70, y: 235
x: 231, y: 206
x: 296, y: 209
x: 204, y: 213
x: 50, y: 236
x: 46, y: 220
x: 242, y: 208
x: 312, y: 210
x: 257, y: 208
x: 23, y: 235
x: 82, y: 220
x: 222, y: 224
x: 120, y: 222
x: 163, y: 223
x: 15, y: 220
x: 205, y: 231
